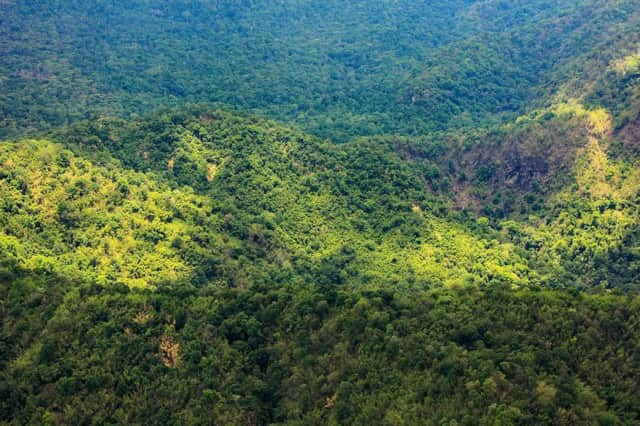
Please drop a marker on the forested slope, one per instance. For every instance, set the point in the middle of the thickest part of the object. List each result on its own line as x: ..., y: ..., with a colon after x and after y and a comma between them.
x: 237, y: 199
x: 336, y: 68
x: 201, y: 265
x: 443, y: 227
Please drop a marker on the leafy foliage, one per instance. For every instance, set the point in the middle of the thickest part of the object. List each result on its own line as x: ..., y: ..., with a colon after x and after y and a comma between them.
x: 336, y: 68
x: 469, y: 253
x: 215, y: 267
x: 317, y: 354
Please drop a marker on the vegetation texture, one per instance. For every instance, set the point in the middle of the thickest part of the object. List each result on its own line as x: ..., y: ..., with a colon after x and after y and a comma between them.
x: 444, y: 231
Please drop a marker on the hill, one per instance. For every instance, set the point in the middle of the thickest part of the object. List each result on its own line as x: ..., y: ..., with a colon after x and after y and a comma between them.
x: 215, y: 190
x: 203, y: 247
x: 295, y: 212
x: 338, y: 69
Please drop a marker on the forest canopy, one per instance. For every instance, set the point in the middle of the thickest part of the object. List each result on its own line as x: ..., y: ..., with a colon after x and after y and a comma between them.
x: 306, y: 213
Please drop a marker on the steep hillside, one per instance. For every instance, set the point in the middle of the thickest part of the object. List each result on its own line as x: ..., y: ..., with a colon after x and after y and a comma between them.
x: 562, y: 180
x: 209, y: 196
x: 204, y: 196
x: 336, y: 68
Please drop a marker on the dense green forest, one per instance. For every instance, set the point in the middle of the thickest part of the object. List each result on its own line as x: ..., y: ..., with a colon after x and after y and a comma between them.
x: 337, y: 68
x: 315, y: 354
x: 298, y: 212
x: 197, y: 265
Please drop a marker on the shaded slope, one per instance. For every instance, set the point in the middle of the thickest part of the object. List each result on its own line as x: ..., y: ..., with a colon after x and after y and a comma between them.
x: 336, y: 68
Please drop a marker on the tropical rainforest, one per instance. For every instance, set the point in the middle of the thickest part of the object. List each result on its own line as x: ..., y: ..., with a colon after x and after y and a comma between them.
x: 297, y: 212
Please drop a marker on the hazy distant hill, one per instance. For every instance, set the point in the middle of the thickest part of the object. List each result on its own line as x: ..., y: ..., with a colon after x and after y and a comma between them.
x: 336, y: 68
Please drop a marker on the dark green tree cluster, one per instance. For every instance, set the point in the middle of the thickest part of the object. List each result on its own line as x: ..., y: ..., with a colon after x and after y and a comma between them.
x: 313, y: 354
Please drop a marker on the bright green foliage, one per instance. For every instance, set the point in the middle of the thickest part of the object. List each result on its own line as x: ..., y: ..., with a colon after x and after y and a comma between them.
x: 259, y: 197
x: 206, y: 266
x: 64, y: 214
